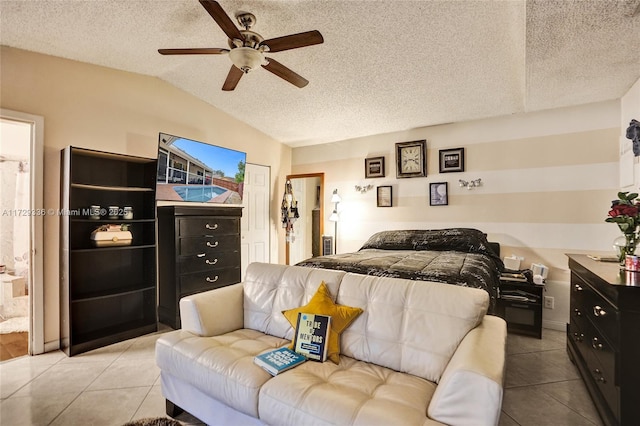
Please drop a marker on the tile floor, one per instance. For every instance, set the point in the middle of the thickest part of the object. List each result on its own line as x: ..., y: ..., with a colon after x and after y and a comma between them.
x: 542, y: 387
x: 119, y: 383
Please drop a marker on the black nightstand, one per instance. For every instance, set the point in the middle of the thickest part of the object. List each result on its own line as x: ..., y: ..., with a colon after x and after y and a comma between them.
x: 520, y: 305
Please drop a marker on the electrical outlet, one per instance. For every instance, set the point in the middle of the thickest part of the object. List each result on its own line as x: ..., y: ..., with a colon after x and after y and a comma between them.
x: 549, y: 302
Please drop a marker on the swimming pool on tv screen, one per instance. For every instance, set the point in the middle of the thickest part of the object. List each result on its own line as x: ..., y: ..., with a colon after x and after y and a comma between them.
x: 198, y: 193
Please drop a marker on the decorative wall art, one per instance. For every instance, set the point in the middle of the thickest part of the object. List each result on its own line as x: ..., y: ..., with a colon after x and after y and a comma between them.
x: 289, y: 211
x: 411, y: 159
x: 452, y: 160
x: 439, y: 194
x: 385, y: 198
x: 633, y: 133
x: 374, y: 167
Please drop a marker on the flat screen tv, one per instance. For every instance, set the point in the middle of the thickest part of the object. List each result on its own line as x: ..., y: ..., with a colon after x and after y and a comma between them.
x: 192, y: 171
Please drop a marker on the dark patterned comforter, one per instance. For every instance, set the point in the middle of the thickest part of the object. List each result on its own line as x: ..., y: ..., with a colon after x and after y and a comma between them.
x: 457, y: 256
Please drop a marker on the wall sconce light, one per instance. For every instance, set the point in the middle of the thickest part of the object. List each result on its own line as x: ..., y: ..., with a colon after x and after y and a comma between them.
x: 363, y: 189
x: 471, y: 184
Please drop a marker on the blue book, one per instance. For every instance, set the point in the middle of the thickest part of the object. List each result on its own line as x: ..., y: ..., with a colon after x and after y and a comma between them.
x: 312, y: 335
x: 279, y: 360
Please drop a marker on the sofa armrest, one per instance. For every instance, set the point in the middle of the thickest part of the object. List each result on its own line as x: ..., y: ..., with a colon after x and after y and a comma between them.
x: 213, y: 312
x: 470, y: 389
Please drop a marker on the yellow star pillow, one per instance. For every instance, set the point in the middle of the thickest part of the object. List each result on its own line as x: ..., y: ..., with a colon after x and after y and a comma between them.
x: 341, y: 317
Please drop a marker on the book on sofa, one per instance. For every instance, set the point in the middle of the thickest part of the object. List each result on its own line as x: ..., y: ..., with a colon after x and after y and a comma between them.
x: 312, y: 334
x: 279, y: 360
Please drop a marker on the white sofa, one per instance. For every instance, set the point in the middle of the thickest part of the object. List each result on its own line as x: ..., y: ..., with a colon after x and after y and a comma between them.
x: 421, y: 353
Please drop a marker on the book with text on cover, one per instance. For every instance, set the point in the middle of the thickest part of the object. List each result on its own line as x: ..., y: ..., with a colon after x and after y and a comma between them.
x: 278, y: 360
x: 312, y: 334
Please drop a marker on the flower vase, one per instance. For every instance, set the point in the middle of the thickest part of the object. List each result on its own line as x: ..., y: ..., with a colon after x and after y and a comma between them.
x: 624, y: 245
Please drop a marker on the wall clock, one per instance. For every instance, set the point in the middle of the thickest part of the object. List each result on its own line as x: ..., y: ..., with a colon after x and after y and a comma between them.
x: 411, y: 159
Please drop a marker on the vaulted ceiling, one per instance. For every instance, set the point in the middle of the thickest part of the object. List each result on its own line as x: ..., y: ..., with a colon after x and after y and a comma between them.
x: 384, y: 66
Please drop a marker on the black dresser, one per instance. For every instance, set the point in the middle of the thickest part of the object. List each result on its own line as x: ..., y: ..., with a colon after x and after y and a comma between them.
x: 603, y: 336
x: 198, y: 250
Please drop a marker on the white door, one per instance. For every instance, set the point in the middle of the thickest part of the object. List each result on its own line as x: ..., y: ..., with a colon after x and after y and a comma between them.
x: 254, y: 246
x: 32, y: 223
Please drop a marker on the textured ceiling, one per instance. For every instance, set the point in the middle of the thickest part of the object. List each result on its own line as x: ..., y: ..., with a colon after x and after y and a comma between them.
x: 385, y: 66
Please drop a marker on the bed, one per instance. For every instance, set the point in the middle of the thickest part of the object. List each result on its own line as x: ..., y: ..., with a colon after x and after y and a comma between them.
x: 459, y: 256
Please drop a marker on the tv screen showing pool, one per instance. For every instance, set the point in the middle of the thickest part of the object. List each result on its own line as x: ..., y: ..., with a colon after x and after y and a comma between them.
x: 198, y: 172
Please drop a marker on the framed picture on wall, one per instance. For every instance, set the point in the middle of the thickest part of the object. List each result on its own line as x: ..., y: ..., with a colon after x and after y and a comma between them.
x: 411, y: 159
x: 439, y: 194
x: 374, y: 167
x: 385, y: 198
x: 452, y: 160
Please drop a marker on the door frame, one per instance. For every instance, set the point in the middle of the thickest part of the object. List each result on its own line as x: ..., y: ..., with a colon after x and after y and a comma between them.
x: 302, y: 176
x: 36, y: 259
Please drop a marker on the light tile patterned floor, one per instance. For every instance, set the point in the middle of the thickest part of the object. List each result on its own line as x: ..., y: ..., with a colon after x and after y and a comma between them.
x: 119, y: 383
x: 542, y: 387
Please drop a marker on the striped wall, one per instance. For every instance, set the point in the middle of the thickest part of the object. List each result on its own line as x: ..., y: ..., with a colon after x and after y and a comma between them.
x: 548, y: 179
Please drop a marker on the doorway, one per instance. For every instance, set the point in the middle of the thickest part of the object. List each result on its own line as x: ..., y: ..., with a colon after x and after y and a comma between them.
x: 21, y: 242
x: 308, y: 190
x: 255, y: 243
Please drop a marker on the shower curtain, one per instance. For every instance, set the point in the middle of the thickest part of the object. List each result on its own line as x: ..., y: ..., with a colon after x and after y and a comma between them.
x: 21, y: 222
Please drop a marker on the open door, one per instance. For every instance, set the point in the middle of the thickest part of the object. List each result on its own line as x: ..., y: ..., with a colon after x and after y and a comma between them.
x: 308, y: 190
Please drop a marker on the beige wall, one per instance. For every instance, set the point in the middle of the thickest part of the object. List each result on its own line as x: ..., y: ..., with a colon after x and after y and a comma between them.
x: 100, y: 108
x: 630, y: 109
x: 548, y: 179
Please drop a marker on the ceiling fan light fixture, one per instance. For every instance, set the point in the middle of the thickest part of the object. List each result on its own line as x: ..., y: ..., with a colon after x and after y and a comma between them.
x: 246, y: 58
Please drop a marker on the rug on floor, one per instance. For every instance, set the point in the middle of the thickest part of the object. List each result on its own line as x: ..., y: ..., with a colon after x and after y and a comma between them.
x: 14, y: 325
x: 156, y: 421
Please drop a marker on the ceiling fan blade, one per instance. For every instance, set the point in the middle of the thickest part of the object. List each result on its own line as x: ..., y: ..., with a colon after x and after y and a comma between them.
x: 234, y: 76
x: 196, y: 51
x: 222, y: 19
x: 285, y: 73
x: 294, y: 41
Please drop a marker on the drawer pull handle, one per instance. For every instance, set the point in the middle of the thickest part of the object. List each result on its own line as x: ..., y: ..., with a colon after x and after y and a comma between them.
x: 209, y: 262
x: 597, y: 371
x: 212, y: 280
x: 215, y: 226
x: 201, y: 254
x: 578, y: 288
x: 595, y: 344
x: 598, y: 311
x: 577, y: 311
x: 602, y: 379
x: 212, y: 245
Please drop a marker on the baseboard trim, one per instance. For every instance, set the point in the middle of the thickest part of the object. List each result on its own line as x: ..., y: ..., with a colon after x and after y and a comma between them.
x: 52, y: 346
x: 554, y: 325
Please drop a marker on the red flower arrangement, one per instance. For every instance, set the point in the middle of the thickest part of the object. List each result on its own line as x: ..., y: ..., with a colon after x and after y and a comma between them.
x: 625, y: 212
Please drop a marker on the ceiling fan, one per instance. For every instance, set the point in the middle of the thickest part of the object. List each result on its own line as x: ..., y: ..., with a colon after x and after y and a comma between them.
x: 247, y: 48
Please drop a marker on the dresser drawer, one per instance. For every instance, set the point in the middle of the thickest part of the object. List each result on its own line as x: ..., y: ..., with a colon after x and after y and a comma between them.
x: 208, y: 226
x: 210, y: 244
x: 579, y: 338
x: 602, y: 367
x: 603, y: 315
x: 208, y: 261
x: 202, y: 281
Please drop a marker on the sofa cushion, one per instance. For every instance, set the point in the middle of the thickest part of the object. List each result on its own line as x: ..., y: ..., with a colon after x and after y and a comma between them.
x: 409, y: 326
x: 353, y: 392
x: 220, y: 366
x: 341, y: 317
x: 270, y: 289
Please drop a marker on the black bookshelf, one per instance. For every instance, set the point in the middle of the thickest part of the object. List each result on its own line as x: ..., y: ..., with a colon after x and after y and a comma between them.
x: 107, y: 294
